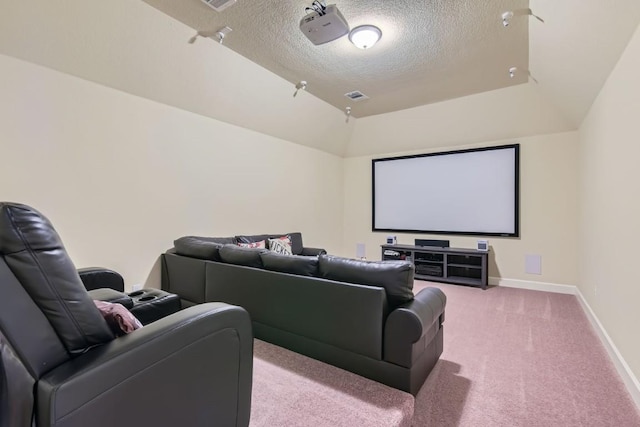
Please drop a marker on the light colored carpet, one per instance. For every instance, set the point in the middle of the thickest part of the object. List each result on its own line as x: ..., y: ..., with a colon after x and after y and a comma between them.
x: 515, y: 357
x: 512, y: 357
x: 291, y: 390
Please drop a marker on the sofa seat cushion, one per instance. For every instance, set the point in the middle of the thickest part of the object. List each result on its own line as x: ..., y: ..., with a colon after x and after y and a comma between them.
x: 234, y: 254
x: 296, y: 240
x: 293, y: 264
x: 396, y: 277
x: 200, y: 247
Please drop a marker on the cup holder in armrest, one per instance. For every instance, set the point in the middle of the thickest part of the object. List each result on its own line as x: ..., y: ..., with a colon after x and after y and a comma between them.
x: 151, y: 304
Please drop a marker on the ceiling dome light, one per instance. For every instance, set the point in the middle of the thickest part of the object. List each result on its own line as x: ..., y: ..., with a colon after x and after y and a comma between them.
x: 365, y: 36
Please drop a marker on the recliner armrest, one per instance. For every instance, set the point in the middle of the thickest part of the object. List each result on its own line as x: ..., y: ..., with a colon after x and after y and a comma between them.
x: 313, y: 251
x: 416, y: 320
x: 112, y: 296
x: 99, y: 277
x: 189, y: 368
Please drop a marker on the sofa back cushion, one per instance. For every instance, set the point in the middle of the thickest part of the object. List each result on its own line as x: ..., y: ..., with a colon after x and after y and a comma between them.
x: 201, y: 247
x: 396, y: 277
x: 234, y: 254
x: 296, y: 240
x: 294, y: 264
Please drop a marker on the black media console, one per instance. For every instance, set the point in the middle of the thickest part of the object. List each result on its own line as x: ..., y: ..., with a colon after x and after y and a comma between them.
x: 449, y: 265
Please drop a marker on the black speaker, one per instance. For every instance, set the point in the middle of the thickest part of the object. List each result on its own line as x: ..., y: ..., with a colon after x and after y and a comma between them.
x: 436, y: 243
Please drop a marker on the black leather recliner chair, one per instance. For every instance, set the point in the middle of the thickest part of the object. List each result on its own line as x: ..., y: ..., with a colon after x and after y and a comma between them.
x: 61, y: 366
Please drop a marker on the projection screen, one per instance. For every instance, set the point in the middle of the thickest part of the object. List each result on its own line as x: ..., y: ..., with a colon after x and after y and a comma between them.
x: 472, y: 192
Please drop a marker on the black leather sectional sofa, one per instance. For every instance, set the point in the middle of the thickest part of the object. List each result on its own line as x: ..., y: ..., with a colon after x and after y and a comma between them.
x: 360, y: 316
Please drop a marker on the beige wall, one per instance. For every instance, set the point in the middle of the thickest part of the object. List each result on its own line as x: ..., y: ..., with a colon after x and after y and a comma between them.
x: 610, y: 205
x: 548, y: 205
x: 121, y: 176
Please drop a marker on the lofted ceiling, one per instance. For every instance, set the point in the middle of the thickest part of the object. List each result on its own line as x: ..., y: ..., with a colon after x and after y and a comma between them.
x: 430, y: 51
x: 448, y: 59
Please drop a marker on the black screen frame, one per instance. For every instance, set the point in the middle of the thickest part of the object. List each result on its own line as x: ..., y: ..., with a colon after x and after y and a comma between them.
x: 516, y: 208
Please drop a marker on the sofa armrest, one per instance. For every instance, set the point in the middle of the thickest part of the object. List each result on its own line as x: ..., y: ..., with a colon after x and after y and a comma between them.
x: 313, y: 251
x: 188, y: 368
x: 98, y: 277
x: 417, y: 321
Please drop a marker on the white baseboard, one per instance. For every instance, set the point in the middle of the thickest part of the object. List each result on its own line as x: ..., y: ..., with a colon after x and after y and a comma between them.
x: 535, y: 286
x: 628, y: 378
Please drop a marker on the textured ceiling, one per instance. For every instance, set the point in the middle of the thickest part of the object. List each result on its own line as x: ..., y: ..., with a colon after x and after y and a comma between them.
x: 430, y: 51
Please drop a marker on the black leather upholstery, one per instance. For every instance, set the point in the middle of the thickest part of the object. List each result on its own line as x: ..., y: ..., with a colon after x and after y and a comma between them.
x: 396, y: 277
x: 33, y: 251
x: 234, y: 254
x: 312, y: 251
x: 294, y: 264
x: 418, y: 320
x: 150, y: 305
x: 195, y: 366
x: 112, y: 296
x: 100, y: 277
x: 349, y: 325
x: 199, y: 247
x: 208, y: 247
x: 343, y: 315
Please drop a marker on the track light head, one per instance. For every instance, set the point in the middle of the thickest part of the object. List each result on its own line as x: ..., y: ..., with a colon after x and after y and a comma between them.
x: 301, y: 85
x: 506, y: 17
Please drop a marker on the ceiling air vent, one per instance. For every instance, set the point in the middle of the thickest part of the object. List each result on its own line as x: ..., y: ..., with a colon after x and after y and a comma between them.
x: 356, y: 95
x: 219, y: 5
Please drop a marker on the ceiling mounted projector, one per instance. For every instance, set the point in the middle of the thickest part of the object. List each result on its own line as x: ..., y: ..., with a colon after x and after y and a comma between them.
x: 325, y: 25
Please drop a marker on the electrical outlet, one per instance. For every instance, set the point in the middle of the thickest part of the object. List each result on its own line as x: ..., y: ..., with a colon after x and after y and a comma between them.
x: 136, y: 287
x: 360, y: 250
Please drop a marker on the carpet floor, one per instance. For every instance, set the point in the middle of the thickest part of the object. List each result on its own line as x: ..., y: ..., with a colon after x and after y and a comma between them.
x: 512, y: 357
x: 515, y: 357
x: 291, y: 390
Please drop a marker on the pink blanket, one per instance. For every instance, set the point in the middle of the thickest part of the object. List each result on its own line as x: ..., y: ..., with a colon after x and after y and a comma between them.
x: 119, y: 319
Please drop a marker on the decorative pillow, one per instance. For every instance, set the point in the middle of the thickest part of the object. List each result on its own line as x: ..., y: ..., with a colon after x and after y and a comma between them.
x: 262, y: 244
x: 119, y: 319
x: 281, y: 245
x: 296, y: 240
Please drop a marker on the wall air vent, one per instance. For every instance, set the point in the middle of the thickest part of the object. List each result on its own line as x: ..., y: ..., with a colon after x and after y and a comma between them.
x: 219, y: 5
x: 356, y: 95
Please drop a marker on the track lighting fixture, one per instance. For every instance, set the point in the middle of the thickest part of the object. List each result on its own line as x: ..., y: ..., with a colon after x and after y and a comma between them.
x: 506, y: 16
x: 301, y: 85
x: 216, y: 35
x: 514, y: 70
x: 222, y: 33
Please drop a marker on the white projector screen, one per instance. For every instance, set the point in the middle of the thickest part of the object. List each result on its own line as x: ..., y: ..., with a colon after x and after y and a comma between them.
x: 473, y: 192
